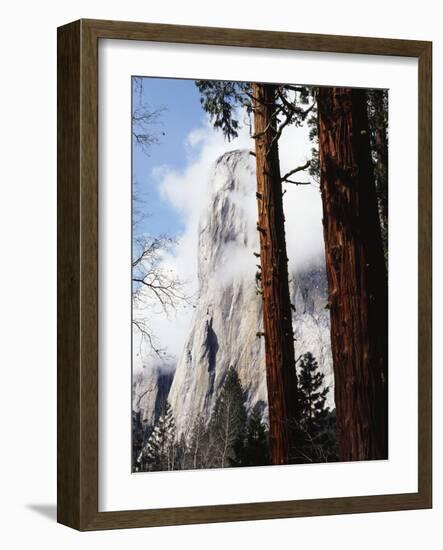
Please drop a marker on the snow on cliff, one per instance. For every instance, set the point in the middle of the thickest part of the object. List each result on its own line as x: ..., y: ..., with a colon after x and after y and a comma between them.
x: 228, y: 316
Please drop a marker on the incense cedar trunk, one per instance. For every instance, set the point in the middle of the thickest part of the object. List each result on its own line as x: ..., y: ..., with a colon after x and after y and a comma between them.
x: 277, y: 316
x: 356, y: 275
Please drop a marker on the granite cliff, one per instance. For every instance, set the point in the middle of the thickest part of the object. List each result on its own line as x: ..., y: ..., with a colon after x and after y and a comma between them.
x: 227, y: 315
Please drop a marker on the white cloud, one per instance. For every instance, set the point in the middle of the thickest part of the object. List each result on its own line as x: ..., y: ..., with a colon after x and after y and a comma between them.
x: 302, y: 203
x: 187, y: 192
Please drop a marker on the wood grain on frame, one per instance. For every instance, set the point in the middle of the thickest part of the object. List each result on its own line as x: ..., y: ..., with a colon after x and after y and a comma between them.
x: 77, y: 317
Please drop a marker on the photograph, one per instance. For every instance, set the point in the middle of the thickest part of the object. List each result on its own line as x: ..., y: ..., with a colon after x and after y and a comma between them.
x: 259, y: 274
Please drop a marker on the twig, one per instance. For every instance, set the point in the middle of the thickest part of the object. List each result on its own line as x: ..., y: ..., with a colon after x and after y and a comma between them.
x: 294, y: 171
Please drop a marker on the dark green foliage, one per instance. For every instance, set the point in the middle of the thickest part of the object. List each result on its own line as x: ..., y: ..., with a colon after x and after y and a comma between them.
x: 138, y: 438
x: 311, y: 396
x: 221, y: 100
x: 159, y: 452
x: 315, y: 429
x: 229, y: 439
x: 312, y: 123
x: 228, y: 422
x: 378, y: 124
x: 325, y: 438
x: 225, y: 101
x: 234, y: 438
x: 255, y: 451
x: 314, y: 167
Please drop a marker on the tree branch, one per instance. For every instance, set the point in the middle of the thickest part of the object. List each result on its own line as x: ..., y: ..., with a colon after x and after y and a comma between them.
x: 294, y: 171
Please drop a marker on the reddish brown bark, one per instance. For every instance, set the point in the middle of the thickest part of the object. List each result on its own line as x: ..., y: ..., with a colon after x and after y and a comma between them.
x: 356, y: 275
x: 277, y: 318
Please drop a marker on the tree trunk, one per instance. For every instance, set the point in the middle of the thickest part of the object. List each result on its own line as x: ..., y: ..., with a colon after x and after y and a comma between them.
x: 356, y: 275
x: 277, y: 318
x: 381, y: 146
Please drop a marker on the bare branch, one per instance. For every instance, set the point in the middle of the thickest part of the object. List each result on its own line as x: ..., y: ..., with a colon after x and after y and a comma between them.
x: 294, y: 171
x: 147, y: 335
x: 155, y: 287
x: 144, y: 119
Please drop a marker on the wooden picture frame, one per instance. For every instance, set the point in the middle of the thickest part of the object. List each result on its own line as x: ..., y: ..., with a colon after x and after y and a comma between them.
x: 77, y: 455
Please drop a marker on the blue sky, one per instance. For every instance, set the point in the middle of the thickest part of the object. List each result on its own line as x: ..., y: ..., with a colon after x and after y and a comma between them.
x: 174, y: 180
x: 177, y: 180
x: 182, y: 113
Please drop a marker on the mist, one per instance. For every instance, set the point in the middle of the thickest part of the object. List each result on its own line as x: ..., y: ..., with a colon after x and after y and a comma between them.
x: 189, y: 191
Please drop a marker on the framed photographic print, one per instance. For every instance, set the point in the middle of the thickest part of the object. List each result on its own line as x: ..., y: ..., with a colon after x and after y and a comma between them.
x: 244, y: 275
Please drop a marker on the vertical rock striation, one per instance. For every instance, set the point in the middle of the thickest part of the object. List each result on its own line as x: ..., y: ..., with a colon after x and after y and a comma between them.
x: 228, y: 315
x: 228, y: 312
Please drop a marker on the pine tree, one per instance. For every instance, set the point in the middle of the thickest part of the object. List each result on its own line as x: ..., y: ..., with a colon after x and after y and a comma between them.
x: 138, y: 434
x: 227, y: 423
x: 255, y: 450
x: 158, y: 453
x: 311, y: 396
x: 315, y: 440
x: 273, y: 107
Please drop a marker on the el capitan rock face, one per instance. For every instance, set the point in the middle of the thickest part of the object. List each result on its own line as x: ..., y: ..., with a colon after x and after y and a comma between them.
x: 228, y: 312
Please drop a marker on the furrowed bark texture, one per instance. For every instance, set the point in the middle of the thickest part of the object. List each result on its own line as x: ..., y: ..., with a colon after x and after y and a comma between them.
x: 356, y: 275
x: 277, y: 318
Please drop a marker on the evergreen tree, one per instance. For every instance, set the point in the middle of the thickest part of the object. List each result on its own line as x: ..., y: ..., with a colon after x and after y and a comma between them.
x: 274, y: 107
x: 378, y: 125
x: 227, y: 423
x: 315, y: 440
x: 159, y: 451
x: 255, y: 451
x: 311, y: 396
x: 138, y: 434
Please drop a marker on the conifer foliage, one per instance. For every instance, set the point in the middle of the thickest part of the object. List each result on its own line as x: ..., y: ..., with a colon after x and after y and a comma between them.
x: 272, y: 108
x: 159, y: 451
x: 255, y: 451
x: 235, y: 437
x: 138, y: 436
x: 312, y: 397
x: 228, y: 421
x: 315, y: 440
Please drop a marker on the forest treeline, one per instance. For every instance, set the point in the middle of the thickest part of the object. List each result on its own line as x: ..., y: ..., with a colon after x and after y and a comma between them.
x: 232, y: 436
